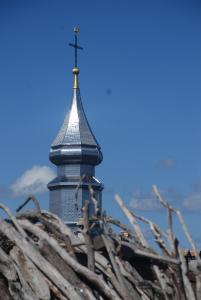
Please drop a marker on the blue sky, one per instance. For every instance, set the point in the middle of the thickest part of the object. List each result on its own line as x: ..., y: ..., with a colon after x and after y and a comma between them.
x: 140, y: 85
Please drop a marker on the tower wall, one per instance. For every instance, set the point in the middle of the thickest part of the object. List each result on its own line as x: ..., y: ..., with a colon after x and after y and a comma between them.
x: 63, y: 199
x: 62, y: 203
x: 67, y: 202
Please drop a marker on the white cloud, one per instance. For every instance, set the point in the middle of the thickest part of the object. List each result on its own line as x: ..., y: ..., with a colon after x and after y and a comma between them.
x: 33, y: 181
x: 198, y: 185
x: 144, y: 201
x: 144, y: 204
x: 167, y: 163
x: 4, y: 192
x: 192, y: 203
x: 147, y: 201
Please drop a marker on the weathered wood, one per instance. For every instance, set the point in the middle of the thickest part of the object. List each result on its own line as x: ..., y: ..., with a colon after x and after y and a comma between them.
x: 110, y: 249
x: 16, y: 285
x: 121, y: 225
x: 31, y: 274
x: 142, y: 239
x: 4, y: 291
x: 45, y: 260
x: 6, y: 267
x: 65, y: 238
x: 181, y: 220
x: 103, y: 265
x: 152, y: 256
x: 161, y: 281
x: 130, y: 283
x: 59, y: 225
x: 34, y: 200
x: 30, y: 251
x: 94, y: 200
x: 13, y: 219
x: 187, y: 286
x: 198, y: 286
x: 157, y: 232
x: 88, y: 240
x: 55, y: 291
x: 100, y: 284
x: 52, y: 256
x: 22, y: 290
x: 132, y: 220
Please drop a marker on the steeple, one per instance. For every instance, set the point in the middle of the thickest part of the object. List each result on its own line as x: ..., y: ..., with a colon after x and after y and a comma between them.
x: 75, y: 142
x: 75, y: 151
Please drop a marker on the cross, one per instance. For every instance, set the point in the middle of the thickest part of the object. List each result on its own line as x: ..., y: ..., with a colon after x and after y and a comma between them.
x: 76, y: 31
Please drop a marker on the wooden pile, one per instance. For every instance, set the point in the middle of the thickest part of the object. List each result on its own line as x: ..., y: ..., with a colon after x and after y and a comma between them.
x: 42, y: 258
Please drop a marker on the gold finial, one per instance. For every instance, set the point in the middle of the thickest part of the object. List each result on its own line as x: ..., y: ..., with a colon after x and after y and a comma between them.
x: 75, y: 72
x: 76, y: 29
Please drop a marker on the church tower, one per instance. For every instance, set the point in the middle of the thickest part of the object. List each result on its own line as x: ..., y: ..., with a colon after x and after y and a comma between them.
x: 75, y: 151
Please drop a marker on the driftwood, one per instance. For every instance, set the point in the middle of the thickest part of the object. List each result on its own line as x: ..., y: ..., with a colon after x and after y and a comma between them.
x: 41, y: 258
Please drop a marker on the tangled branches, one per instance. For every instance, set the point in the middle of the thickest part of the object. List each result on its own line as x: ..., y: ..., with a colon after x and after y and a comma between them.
x: 42, y: 258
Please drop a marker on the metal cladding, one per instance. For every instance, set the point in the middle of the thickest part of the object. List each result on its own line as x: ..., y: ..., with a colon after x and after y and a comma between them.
x: 75, y: 151
x: 75, y: 142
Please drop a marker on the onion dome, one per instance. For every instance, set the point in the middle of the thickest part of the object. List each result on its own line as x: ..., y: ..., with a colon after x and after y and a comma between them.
x: 75, y: 142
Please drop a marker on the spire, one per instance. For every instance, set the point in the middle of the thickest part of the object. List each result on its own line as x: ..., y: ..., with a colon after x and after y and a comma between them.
x: 76, y: 47
x: 75, y: 151
x: 75, y: 142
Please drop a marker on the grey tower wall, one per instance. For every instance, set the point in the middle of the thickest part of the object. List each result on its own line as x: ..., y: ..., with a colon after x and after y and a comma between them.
x: 64, y: 198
